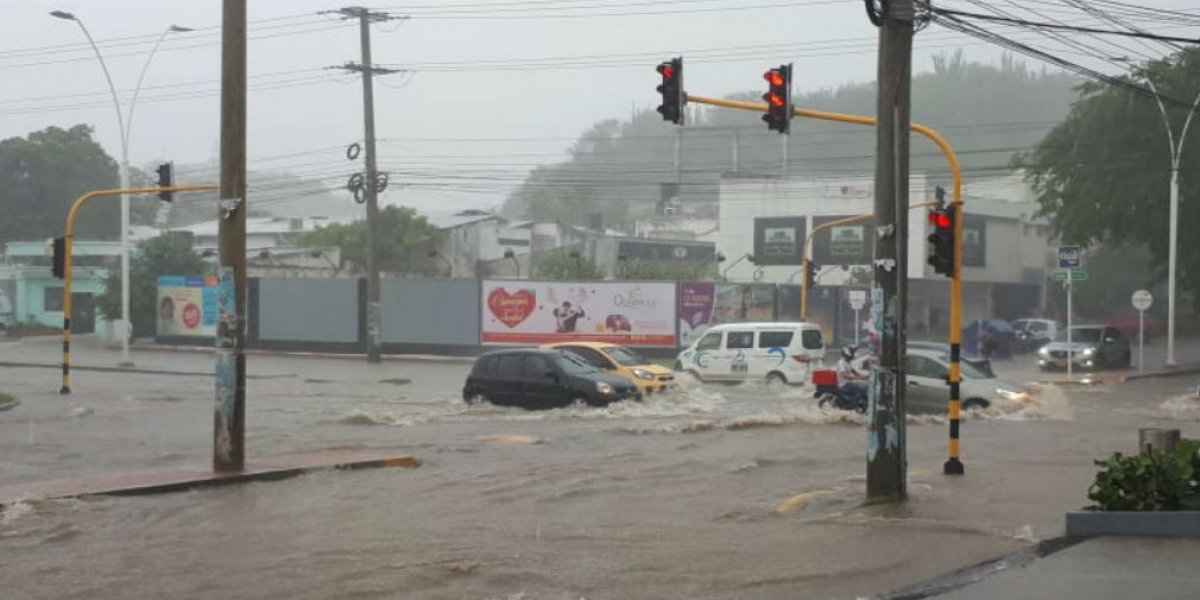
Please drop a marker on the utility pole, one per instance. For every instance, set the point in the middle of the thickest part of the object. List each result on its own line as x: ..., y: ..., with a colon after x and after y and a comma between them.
x: 229, y: 449
x: 886, y: 449
x: 371, y: 181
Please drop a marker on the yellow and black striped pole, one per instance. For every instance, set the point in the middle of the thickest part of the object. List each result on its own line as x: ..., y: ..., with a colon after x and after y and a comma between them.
x: 69, y: 241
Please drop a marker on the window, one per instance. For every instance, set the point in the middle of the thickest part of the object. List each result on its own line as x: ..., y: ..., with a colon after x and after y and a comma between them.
x: 508, y: 366
x: 811, y: 339
x: 775, y: 339
x: 590, y: 356
x: 1112, y: 333
x: 626, y: 357
x: 52, y: 299
x: 572, y: 364
x: 537, y: 368
x: 482, y: 366
x: 1038, y: 326
x: 710, y: 341
x: 920, y: 366
x: 739, y: 339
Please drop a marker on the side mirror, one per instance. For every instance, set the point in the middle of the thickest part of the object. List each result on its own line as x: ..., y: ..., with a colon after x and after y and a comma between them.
x: 552, y: 376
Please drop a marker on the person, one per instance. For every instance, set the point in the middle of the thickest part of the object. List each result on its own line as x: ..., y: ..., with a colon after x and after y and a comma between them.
x: 850, y: 379
x: 566, y: 316
x: 987, y: 342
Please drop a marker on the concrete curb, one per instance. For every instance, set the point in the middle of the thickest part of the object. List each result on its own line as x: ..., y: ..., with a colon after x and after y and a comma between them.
x: 162, y: 482
x: 1176, y: 372
x: 133, y: 370
x: 1173, y: 524
x: 978, y: 572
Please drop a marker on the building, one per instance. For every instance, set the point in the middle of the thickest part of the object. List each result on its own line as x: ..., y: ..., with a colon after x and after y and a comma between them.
x: 37, y: 296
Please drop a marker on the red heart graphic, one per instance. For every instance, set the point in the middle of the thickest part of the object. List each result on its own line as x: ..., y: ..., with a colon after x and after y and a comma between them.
x: 511, y: 309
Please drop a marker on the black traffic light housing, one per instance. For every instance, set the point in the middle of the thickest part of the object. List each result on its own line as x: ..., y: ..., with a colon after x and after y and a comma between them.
x: 778, y: 98
x: 810, y: 274
x: 58, y: 264
x: 166, y: 178
x: 671, y: 89
x: 942, y: 240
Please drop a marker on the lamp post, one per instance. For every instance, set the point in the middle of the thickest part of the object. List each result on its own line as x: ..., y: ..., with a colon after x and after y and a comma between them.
x: 1175, y: 147
x: 725, y: 271
x: 124, y: 124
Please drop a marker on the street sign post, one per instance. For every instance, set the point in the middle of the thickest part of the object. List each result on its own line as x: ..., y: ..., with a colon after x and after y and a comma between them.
x: 1142, y: 301
x: 858, y: 299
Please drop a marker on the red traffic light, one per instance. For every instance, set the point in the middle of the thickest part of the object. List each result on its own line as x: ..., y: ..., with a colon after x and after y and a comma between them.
x: 774, y: 77
x: 939, y: 219
x: 666, y: 70
x: 775, y: 100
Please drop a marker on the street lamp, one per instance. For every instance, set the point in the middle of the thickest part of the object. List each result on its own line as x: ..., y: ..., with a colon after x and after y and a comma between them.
x: 1176, y: 150
x: 725, y: 271
x: 124, y: 124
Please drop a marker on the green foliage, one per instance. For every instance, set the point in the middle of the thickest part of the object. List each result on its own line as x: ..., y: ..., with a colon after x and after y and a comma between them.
x: 561, y: 266
x: 42, y: 174
x: 1149, y: 481
x: 405, y: 239
x: 167, y: 254
x: 1102, y: 175
x: 662, y: 270
x: 617, y: 166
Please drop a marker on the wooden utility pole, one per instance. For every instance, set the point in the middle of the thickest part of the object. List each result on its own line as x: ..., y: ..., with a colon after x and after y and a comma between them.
x: 230, y: 419
x: 886, y: 450
x: 371, y: 180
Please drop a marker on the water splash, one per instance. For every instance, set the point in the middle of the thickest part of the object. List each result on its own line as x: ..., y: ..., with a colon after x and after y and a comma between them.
x: 1185, y: 407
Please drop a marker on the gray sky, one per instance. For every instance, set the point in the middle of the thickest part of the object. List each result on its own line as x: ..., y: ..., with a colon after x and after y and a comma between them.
x: 480, y: 98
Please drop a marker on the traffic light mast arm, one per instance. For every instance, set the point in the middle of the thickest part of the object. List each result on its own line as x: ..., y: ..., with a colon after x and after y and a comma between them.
x: 69, y: 242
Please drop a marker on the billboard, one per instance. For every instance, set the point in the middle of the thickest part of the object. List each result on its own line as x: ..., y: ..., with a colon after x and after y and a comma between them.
x: 702, y: 305
x: 187, y: 306
x: 779, y: 240
x: 545, y: 312
x: 846, y: 244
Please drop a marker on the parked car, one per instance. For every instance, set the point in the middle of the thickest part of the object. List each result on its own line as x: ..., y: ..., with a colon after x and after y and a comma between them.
x: 537, y: 378
x: 622, y: 361
x: 772, y: 352
x: 928, y: 390
x: 1032, y: 334
x: 982, y: 364
x: 1091, y: 347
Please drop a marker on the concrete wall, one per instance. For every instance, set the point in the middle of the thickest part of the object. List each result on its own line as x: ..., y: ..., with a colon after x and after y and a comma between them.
x: 430, y: 312
x: 309, y: 310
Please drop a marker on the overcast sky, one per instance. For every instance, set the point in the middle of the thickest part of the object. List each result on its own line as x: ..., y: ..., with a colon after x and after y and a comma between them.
x: 494, y: 86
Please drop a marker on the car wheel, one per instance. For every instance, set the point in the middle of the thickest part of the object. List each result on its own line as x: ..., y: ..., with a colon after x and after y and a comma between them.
x: 774, y: 378
x: 473, y: 397
x: 975, y: 403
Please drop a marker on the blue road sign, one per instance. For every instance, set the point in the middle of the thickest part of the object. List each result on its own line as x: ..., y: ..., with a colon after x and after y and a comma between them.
x: 1069, y: 257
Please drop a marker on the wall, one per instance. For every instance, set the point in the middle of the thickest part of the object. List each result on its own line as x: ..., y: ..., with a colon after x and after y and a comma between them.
x: 309, y: 310
x: 429, y: 315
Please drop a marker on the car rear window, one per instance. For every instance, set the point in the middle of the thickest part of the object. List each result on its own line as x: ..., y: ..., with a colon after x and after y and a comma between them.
x: 507, y: 366
x: 811, y: 339
x: 775, y: 339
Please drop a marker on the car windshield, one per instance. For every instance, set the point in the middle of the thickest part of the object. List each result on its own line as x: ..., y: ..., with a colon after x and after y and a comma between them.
x: 970, y: 371
x: 625, y: 357
x: 1080, y: 334
x: 573, y: 365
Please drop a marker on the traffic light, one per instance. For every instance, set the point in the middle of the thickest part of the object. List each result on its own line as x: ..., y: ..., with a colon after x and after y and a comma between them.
x: 778, y: 98
x: 166, y: 178
x: 942, y: 239
x: 810, y: 274
x: 58, y: 265
x: 671, y: 88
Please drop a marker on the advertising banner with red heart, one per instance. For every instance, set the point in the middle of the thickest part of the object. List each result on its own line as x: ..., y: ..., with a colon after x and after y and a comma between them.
x: 544, y: 312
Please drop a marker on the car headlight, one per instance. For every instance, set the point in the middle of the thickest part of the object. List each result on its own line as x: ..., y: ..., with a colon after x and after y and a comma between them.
x: 1087, y: 352
x: 1044, y: 352
x: 604, y: 388
x: 1012, y: 396
x: 643, y: 374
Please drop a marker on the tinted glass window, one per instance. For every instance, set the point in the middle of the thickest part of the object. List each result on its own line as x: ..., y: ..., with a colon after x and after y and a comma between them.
x: 710, y: 341
x: 591, y: 356
x: 481, y: 366
x: 627, y: 357
x: 508, y: 366
x: 537, y: 368
x: 921, y: 366
x: 572, y: 364
x: 811, y: 338
x: 739, y: 339
x: 775, y: 339
x: 1080, y: 334
x: 1038, y: 326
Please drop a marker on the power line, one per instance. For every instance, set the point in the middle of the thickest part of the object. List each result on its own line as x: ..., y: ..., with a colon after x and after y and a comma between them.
x: 1025, y: 23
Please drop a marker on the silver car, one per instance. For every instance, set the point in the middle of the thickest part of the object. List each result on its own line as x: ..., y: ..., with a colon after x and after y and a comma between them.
x: 928, y: 391
x: 1091, y: 347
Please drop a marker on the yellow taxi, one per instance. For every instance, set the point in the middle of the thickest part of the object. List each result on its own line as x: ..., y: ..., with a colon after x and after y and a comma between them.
x: 622, y: 361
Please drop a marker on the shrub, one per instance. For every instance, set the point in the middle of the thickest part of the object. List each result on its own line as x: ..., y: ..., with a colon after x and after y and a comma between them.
x: 1151, y: 481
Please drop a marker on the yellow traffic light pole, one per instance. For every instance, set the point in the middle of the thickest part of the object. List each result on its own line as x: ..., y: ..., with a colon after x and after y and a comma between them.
x: 69, y: 242
x: 953, y: 465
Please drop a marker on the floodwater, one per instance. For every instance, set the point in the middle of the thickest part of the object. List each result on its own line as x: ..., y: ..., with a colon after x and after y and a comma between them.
x: 707, y: 492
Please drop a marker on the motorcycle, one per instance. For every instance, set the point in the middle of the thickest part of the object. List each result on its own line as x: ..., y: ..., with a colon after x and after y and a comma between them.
x: 829, y: 395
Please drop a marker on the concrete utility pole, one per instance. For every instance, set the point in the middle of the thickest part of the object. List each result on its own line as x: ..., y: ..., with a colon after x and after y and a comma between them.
x: 886, y: 450
x: 229, y: 449
x: 371, y: 182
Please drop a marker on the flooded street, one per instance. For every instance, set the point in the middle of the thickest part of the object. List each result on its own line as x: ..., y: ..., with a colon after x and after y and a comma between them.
x: 712, y: 492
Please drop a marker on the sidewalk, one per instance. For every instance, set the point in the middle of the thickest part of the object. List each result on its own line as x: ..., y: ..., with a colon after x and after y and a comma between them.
x: 1105, y: 568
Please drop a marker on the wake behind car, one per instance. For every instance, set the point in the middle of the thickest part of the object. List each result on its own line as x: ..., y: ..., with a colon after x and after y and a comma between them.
x: 536, y: 378
x: 1091, y: 347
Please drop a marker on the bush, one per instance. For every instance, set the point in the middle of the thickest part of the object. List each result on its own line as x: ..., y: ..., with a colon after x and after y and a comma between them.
x: 1150, y: 481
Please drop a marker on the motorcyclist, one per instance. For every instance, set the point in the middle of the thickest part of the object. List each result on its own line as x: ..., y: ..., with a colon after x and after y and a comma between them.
x: 850, y: 379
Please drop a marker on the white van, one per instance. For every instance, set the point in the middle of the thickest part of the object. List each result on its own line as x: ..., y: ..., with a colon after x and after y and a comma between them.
x: 772, y: 352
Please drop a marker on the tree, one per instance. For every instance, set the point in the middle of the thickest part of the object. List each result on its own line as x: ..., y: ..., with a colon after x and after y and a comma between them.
x: 167, y: 254
x: 405, y: 239
x: 1102, y: 175
x: 42, y: 174
x: 558, y: 265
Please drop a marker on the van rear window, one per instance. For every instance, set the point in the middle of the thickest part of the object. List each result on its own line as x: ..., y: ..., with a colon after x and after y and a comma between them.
x: 811, y: 339
x: 775, y: 339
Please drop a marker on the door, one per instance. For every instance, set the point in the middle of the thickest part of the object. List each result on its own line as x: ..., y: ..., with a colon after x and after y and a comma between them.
x: 505, y: 384
x: 541, y: 384
x: 733, y: 362
x: 707, y: 349
x: 771, y: 354
x: 927, y: 389
x: 83, y: 313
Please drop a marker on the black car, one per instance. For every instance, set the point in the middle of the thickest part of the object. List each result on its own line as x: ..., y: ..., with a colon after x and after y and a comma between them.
x: 543, y: 378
